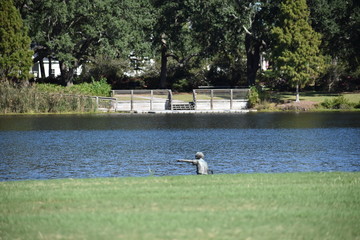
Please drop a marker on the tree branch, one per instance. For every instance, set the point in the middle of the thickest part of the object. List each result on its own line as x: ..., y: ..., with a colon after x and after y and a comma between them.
x: 247, y: 31
x: 182, y: 61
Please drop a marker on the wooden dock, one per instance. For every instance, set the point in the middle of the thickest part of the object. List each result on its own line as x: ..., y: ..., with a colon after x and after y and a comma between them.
x: 163, y: 101
x: 198, y: 111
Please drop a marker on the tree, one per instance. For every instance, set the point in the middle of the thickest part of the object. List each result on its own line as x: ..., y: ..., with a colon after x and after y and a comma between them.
x: 239, y: 30
x: 15, y: 53
x: 192, y: 29
x: 339, y: 23
x: 229, y: 34
x: 295, y: 46
x: 251, y: 14
x: 73, y: 31
x: 174, y: 35
x: 219, y: 30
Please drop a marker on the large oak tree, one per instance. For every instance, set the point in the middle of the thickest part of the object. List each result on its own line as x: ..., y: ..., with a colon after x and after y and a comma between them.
x: 73, y: 31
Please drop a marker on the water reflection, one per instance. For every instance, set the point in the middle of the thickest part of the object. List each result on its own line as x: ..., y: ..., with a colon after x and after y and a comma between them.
x: 186, y: 121
x: 86, y: 146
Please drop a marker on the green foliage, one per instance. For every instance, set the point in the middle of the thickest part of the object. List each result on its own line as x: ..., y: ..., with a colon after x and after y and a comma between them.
x: 338, y: 103
x: 339, y: 23
x: 259, y: 97
x: 254, y: 96
x: 51, y: 88
x: 15, y: 53
x: 295, y: 45
x: 272, y: 80
x: 17, y: 99
x: 181, y: 85
x: 104, y: 66
x: 43, y: 98
x: 76, y: 30
x: 357, y: 105
x: 227, y: 70
x: 187, y: 31
x: 228, y: 35
x: 95, y: 88
x: 218, y: 25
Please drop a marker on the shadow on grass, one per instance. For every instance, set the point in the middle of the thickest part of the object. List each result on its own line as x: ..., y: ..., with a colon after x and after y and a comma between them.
x: 319, y: 94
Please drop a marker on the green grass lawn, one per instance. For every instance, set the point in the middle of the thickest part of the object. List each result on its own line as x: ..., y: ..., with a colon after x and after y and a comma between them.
x: 282, y: 96
x: 316, y: 96
x: 243, y: 206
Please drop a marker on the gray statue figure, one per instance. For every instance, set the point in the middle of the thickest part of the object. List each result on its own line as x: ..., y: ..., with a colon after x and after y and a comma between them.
x: 201, y: 165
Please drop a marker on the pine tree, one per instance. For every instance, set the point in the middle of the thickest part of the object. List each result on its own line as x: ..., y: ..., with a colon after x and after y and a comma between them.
x: 15, y: 53
x: 296, y: 54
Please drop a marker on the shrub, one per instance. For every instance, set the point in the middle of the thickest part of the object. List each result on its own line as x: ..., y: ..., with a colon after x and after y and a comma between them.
x: 258, y: 95
x: 357, y: 106
x: 50, y: 88
x: 337, y: 103
x: 254, y: 96
x: 95, y: 88
x: 181, y: 85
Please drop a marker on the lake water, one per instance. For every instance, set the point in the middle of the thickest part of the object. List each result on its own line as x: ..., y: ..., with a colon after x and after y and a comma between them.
x: 118, y: 145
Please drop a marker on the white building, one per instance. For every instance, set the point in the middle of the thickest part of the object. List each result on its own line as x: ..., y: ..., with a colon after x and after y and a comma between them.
x: 138, y: 66
x: 53, y: 71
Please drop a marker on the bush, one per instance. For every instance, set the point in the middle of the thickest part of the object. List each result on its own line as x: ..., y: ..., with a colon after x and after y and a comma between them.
x: 357, y: 106
x: 254, y: 96
x: 95, y: 88
x: 181, y: 85
x: 337, y: 103
x: 258, y: 95
x: 51, y: 88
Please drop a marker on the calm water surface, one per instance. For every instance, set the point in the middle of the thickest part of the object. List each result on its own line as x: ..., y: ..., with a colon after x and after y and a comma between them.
x: 88, y: 146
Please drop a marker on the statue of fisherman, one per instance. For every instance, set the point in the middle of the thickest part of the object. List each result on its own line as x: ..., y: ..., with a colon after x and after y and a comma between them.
x: 201, y: 165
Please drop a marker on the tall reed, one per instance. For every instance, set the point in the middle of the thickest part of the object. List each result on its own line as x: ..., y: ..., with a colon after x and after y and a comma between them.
x: 26, y: 99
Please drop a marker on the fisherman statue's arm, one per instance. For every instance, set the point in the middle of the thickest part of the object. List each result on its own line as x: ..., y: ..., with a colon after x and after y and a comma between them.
x: 189, y: 161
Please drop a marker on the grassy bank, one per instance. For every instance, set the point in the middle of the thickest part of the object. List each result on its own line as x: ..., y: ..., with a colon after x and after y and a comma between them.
x: 245, y: 206
x: 316, y: 96
x: 313, y: 101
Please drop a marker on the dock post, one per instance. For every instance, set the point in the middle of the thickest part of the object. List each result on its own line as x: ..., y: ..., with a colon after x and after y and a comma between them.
x: 194, y: 98
x: 211, y: 99
x: 151, y: 99
x: 170, y: 99
x: 115, y: 101
x: 231, y: 99
x: 132, y: 100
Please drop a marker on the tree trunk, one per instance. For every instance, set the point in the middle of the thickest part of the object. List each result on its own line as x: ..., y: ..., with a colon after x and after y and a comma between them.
x: 297, y: 93
x: 42, y: 69
x: 252, y: 57
x: 163, y: 73
x: 67, y: 74
x: 50, y: 67
x: 69, y: 77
